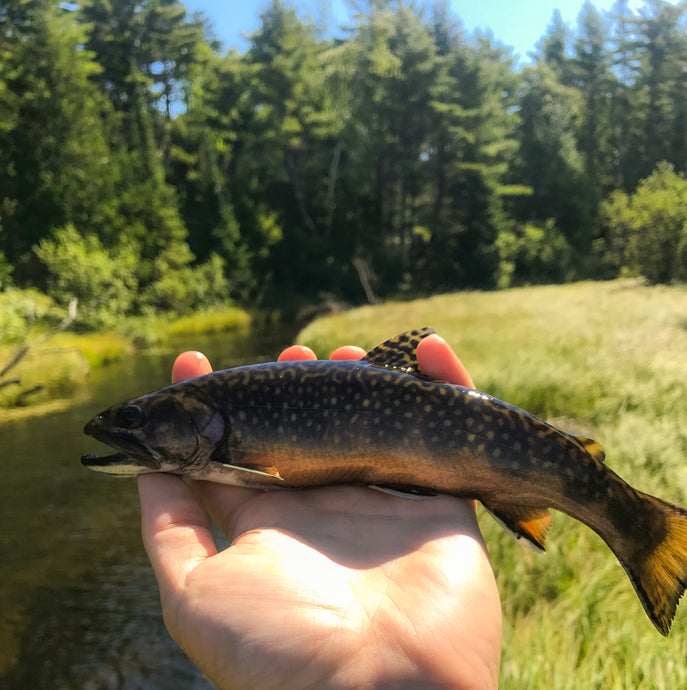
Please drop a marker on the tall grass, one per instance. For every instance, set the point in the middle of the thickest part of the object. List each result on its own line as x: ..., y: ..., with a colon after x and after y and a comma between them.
x: 605, y: 359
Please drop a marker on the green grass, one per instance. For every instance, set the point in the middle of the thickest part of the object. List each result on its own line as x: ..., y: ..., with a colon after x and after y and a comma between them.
x: 60, y: 366
x: 230, y: 318
x: 609, y: 360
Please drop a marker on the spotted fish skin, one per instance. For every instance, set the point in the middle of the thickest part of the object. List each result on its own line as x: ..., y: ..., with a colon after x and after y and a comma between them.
x: 288, y: 425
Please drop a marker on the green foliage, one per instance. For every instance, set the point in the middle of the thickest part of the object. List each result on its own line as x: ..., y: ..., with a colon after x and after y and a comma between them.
x: 532, y: 254
x: 55, y: 163
x: 187, y: 288
x: 647, y: 231
x: 551, y: 163
x: 104, y: 281
x: 403, y: 157
x: 20, y: 310
x: 6, y: 270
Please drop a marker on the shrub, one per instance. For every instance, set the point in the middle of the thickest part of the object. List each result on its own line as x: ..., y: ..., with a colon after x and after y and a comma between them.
x: 532, y: 254
x: 20, y: 309
x: 188, y: 288
x: 104, y: 281
x: 647, y: 231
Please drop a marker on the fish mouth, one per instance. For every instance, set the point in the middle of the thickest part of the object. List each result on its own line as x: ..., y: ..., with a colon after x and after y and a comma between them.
x: 131, y: 450
x: 90, y: 460
x: 117, y: 464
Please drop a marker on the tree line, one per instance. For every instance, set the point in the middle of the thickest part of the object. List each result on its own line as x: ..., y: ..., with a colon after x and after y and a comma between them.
x: 145, y: 169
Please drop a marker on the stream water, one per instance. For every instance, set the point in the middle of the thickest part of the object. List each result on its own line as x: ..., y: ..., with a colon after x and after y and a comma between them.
x: 79, y: 606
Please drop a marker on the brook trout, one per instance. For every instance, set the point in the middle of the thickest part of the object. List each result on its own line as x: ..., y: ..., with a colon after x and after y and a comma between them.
x: 378, y: 421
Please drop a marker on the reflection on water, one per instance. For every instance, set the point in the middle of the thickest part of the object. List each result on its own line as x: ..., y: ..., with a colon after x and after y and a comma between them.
x: 79, y: 606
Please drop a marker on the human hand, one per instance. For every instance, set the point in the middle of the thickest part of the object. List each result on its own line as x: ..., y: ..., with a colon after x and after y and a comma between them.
x: 337, y: 587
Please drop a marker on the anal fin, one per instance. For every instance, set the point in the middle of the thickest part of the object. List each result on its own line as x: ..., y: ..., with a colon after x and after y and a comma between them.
x: 527, y: 525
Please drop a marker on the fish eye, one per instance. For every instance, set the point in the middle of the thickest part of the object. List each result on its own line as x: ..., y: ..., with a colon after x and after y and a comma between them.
x: 130, y: 416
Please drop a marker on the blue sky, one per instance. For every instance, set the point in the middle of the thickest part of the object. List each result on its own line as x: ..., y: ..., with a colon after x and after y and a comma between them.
x: 518, y: 24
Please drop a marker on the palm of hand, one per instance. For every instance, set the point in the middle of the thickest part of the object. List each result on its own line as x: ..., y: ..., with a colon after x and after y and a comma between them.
x: 391, y: 586
x: 332, y: 587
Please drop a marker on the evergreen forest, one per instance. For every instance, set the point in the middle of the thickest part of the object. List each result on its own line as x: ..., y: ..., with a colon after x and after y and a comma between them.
x: 145, y: 169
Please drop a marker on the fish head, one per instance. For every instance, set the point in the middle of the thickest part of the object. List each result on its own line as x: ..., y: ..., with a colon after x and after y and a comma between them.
x: 158, y: 432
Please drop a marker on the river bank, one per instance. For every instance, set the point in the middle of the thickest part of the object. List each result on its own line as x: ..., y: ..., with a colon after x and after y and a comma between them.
x: 52, y: 372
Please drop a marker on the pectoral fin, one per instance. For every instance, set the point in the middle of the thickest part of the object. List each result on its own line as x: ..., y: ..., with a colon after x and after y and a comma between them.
x: 403, y: 492
x: 525, y: 524
x: 256, y: 469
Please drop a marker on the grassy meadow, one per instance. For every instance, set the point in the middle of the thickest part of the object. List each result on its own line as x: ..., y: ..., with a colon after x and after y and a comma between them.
x: 608, y: 360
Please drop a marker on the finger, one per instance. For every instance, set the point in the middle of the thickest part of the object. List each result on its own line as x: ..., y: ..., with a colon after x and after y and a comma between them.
x: 348, y: 352
x: 189, y: 364
x: 296, y: 352
x: 438, y: 361
x: 175, y: 529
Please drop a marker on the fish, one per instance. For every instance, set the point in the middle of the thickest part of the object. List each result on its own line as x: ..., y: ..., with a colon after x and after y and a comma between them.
x: 380, y: 422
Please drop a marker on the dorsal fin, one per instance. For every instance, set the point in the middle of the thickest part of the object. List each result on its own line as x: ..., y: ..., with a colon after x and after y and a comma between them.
x: 594, y: 448
x: 399, y: 352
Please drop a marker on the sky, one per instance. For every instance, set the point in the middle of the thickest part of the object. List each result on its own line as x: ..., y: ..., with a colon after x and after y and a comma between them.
x: 515, y: 23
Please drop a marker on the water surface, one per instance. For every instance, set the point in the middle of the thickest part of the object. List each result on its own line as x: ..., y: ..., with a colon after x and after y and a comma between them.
x: 79, y: 606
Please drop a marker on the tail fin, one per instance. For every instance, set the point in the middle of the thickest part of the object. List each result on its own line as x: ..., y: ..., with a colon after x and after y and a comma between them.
x: 658, y: 570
